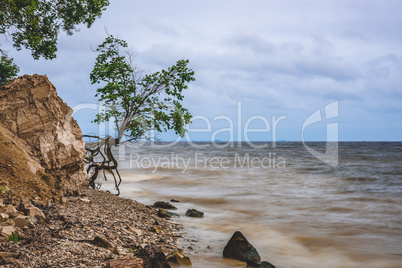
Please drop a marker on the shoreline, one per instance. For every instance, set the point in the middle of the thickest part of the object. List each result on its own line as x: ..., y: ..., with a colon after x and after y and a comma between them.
x: 65, y: 238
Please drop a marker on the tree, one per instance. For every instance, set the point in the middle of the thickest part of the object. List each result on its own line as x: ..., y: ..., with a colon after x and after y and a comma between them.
x: 35, y: 24
x: 135, y: 103
x: 8, y: 70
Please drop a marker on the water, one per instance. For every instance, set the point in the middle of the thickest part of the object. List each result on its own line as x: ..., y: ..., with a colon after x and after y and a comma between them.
x: 295, y: 209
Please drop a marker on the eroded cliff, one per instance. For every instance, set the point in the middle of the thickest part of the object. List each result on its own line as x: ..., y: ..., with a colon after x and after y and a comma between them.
x: 40, y: 143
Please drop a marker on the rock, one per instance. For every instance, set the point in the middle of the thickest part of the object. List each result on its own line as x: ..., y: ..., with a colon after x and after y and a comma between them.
x: 153, y: 257
x: 4, y: 216
x: 174, y: 201
x: 163, y: 213
x: 263, y: 264
x: 155, y: 229
x: 6, y: 231
x: 164, y: 205
x: 123, y: 263
x: 22, y: 221
x: 41, y: 125
x: 24, y: 204
x: 34, y: 212
x: 7, y: 222
x: 194, y: 213
x: 177, y: 258
x: 86, y: 200
x: 11, y: 211
x: 33, y: 219
x: 63, y: 200
x: 240, y: 249
x: 102, y: 242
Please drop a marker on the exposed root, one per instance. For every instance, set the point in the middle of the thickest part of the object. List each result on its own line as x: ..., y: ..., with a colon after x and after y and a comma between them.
x: 100, y: 158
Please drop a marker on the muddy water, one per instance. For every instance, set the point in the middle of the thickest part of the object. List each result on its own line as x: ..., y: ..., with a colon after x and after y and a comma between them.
x: 296, y: 210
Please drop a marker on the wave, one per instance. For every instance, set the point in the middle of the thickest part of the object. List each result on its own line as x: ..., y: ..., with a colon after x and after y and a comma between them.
x: 205, y: 201
x: 359, y: 179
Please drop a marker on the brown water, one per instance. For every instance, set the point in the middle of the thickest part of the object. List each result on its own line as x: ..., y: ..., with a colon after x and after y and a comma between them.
x: 296, y: 210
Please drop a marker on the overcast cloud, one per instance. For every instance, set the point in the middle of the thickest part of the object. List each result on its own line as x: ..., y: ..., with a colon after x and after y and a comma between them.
x: 278, y: 58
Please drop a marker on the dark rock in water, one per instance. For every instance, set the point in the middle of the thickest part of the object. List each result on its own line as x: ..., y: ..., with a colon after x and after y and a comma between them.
x: 194, y: 213
x: 164, y: 205
x: 174, y: 200
x: 163, y: 213
x: 153, y: 258
x: 177, y: 258
x: 240, y: 249
x: 263, y: 264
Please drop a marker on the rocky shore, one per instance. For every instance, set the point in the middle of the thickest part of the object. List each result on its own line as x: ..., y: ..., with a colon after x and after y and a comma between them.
x: 93, y: 229
x: 48, y: 218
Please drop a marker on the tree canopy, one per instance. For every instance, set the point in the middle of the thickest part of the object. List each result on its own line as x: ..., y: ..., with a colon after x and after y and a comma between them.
x: 138, y: 103
x: 35, y: 24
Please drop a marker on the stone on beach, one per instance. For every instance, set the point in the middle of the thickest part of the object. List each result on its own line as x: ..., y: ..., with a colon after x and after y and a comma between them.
x: 6, y: 231
x: 163, y: 213
x: 22, y: 221
x: 34, y: 212
x: 177, y: 258
x: 11, y: 211
x: 153, y: 258
x: 240, y: 249
x: 164, y: 205
x: 194, y: 213
x: 104, y: 243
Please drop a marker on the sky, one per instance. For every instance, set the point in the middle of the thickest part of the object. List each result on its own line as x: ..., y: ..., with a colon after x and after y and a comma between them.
x: 265, y: 70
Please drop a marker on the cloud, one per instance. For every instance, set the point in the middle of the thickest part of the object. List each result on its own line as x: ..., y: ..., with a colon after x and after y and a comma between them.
x: 276, y: 57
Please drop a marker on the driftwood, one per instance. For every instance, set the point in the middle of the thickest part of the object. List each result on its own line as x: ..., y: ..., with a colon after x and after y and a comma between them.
x: 100, y: 158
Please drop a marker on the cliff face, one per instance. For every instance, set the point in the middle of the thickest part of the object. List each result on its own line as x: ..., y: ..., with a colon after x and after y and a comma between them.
x: 41, y: 123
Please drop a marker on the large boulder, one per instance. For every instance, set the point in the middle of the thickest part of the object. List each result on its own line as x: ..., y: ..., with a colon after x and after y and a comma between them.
x: 240, y: 249
x: 40, y: 124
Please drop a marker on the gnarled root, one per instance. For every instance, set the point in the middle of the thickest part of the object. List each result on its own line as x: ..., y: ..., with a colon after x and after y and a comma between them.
x: 100, y: 158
